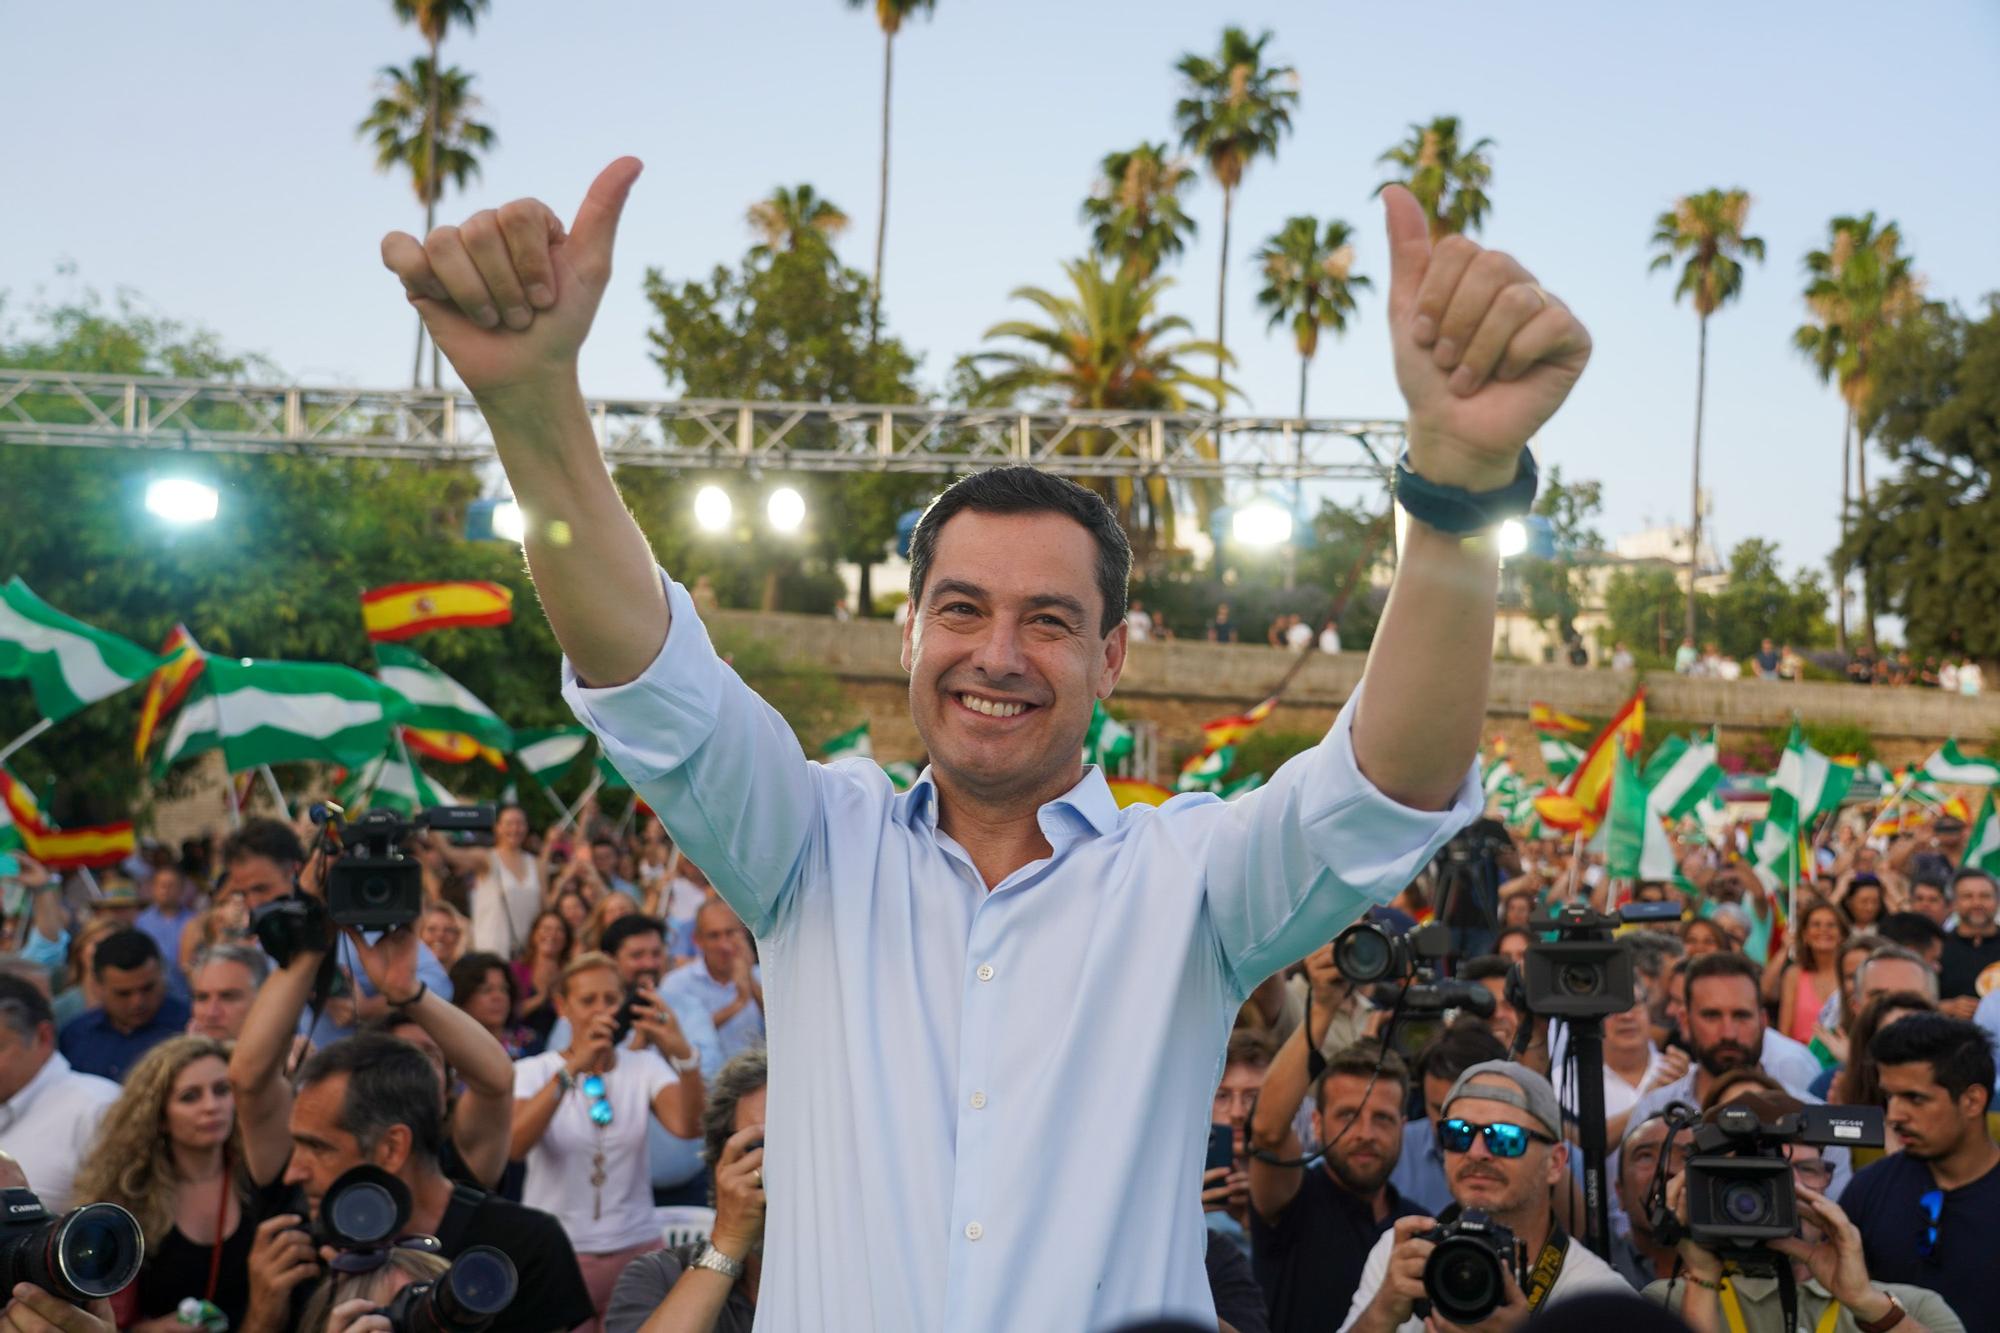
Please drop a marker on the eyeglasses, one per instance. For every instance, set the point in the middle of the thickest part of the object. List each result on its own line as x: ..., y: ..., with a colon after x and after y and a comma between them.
x: 372, y: 1258
x: 1933, y: 1206
x: 1502, y: 1140
x: 600, y: 1104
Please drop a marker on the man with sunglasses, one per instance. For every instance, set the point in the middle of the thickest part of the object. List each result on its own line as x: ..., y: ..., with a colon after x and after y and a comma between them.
x: 1929, y: 1215
x: 1504, y: 1154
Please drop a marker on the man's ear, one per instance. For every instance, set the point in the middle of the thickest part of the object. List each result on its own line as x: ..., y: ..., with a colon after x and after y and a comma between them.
x: 909, y: 656
x: 392, y: 1150
x: 1115, y: 644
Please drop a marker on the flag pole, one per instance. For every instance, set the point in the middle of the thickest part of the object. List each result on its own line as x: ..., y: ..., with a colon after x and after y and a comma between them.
x: 235, y: 808
x: 277, y: 793
x: 569, y: 815
x: 1575, y: 862
x: 7, y: 751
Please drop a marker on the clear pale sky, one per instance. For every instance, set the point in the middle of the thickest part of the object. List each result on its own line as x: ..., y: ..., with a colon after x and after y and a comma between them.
x: 204, y: 155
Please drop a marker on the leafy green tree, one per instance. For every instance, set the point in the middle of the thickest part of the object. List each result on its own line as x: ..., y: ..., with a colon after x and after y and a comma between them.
x: 1756, y: 603
x: 1448, y: 180
x: 1642, y: 609
x: 889, y: 16
x: 424, y: 116
x: 1348, y: 541
x: 1857, y: 290
x: 1705, y: 231
x: 1135, y: 214
x: 1554, y: 588
x: 794, y: 217
x: 1309, y: 283
x: 1234, y: 109
x: 1930, y: 538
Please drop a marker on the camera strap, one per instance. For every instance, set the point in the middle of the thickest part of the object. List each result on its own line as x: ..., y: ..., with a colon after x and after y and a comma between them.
x: 1732, y: 1312
x: 1548, y: 1266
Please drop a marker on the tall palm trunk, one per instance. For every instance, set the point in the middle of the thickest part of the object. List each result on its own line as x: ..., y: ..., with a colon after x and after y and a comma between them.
x: 1222, y: 292
x: 882, y: 198
x: 430, y: 203
x: 1846, y: 502
x: 1861, y: 507
x: 1694, y: 524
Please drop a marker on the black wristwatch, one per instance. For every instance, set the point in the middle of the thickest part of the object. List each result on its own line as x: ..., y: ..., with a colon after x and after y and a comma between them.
x: 1455, y: 510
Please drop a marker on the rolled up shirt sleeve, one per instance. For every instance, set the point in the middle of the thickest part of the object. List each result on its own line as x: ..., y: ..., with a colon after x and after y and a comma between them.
x: 720, y: 766
x: 1303, y: 856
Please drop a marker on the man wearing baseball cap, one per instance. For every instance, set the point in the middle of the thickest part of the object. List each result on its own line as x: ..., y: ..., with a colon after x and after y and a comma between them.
x: 1501, y: 1133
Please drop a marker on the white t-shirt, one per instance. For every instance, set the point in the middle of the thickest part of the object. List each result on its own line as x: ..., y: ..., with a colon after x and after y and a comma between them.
x: 1582, y: 1273
x: 504, y: 905
x: 1329, y: 640
x: 48, y: 1126
x: 1299, y: 636
x: 1138, y: 626
x: 619, y: 1212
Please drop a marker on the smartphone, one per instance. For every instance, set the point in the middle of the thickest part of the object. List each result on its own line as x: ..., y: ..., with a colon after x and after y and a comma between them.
x: 1221, y: 1148
x: 623, y: 1020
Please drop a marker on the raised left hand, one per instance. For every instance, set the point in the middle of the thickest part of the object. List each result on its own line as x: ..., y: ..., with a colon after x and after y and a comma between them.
x: 655, y: 1022
x: 1484, y: 354
x: 390, y: 962
x: 1835, y: 1258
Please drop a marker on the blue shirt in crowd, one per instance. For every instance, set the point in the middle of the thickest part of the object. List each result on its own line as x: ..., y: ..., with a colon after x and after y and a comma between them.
x: 93, y: 1046
x: 692, y: 985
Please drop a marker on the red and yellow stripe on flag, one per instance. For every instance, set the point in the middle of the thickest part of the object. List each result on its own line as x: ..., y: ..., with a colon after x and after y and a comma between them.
x: 1546, y: 719
x: 1131, y: 791
x: 451, y: 747
x: 1583, y: 798
x: 167, y: 687
x: 1229, y: 730
x: 401, y: 610
x: 66, y: 849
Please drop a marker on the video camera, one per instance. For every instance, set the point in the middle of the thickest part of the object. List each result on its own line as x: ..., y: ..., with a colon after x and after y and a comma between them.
x: 1584, y: 972
x: 1465, y: 1279
x: 1740, y: 1192
x: 88, y: 1254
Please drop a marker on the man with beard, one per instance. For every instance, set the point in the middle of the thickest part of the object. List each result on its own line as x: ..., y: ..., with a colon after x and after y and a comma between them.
x: 1310, y: 1228
x: 1725, y: 1030
x: 1973, y: 947
x: 1928, y: 1214
x: 1504, y: 1154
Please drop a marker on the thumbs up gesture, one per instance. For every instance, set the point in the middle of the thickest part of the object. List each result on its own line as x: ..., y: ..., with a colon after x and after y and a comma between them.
x: 508, y: 294
x: 1484, y: 354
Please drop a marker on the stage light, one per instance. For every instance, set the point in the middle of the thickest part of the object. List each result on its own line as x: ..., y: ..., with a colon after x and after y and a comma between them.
x: 180, y: 500
x: 508, y: 525
x: 786, y: 509
x: 1261, y: 523
x: 1511, y: 538
x: 712, y: 509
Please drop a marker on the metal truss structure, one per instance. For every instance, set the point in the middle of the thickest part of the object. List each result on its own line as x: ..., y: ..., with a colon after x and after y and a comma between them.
x: 145, y: 412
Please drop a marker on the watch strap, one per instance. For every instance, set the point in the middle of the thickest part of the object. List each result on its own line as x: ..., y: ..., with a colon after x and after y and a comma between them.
x: 687, y: 1065
x: 1888, y: 1321
x: 566, y: 1081
x: 716, y: 1261
x: 1458, y: 511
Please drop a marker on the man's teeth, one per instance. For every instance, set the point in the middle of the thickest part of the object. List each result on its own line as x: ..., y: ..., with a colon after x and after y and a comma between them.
x: 990, y: 708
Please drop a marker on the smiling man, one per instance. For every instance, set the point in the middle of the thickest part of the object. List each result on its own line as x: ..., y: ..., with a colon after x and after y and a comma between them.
x: 961, y: 976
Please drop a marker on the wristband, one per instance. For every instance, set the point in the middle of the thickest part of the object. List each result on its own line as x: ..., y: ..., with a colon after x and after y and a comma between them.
x: 423, y: 989
x: 1455, y: 510
x: 1702, y: 1282
x: 566, y: 1081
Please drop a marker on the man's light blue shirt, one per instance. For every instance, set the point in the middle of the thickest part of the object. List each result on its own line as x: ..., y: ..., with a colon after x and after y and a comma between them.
x: 326, y: 1032
x: 693, y: 984
x: 989, y: 1109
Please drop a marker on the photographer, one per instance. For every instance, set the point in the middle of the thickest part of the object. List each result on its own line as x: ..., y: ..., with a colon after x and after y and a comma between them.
x: 1419, y: 1175
x: 29, y: 1309
x: 1639, y: 1255
x: 1503, y: 1149
x: 1835, y: 1292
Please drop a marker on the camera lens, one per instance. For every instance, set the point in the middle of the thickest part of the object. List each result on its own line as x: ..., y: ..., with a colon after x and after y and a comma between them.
x: 1580, y: 979
x: 98, y: 1250
x: 363, y: 1213
x: 376, y: 891
x: 1463, y: 1280
x: 1362, y: 953
x: 481, y: 1283
x: 1747, y: 1202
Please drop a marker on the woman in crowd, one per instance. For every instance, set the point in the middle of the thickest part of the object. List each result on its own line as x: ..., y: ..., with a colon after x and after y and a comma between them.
x: 609, y: 908
x: 573, y: 908
x: 1700, y: 936
x: 580, y: 1118
x: 1858, y: 1082
x: 226, y: 921
x: 508, y: 889
x: 169, y: 1153
x: 1863, y: 901
x: 443, y: 932
x: 1512, y: 944
x: 351, y: 1302
x: 539, y: 970
x: 483, y: 985
x: 1807, y: 975
x: 663, y: 1292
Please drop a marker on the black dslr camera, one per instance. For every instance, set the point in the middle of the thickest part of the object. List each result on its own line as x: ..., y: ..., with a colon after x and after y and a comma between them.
x: 1366, y: 953
x: 1739, y: 1182
x: 1584, y: 972
x: 467, y: 1298
x: 1465, y: 1279
x: 88, y: 1254
x: 1406, y: 964
x: 375, y: 885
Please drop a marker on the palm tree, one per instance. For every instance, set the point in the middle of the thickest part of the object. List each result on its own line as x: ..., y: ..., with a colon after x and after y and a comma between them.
x: 1707, y: 228
x: 1135, y: 213
x: 1309, y: 280
x: 1857, y: 289
x: 435, y: 18
x: 1104, y: 345
x: 790, y: 218
x: 1233, y: 110
x: 1449, y: 181
x: 890, y: 15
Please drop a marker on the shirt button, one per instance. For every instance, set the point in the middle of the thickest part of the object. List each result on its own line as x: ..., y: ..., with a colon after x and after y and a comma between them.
x: 985, y: 972
x: 979, y: 1101
x: 973, y: 1231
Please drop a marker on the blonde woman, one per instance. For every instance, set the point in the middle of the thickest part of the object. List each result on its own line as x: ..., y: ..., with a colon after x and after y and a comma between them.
x: 169, y: 1153
x: 350, y: 1302
x: 609, y: 908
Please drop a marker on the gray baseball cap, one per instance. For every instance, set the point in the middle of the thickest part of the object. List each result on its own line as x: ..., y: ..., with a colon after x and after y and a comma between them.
x: 1530, y: 1091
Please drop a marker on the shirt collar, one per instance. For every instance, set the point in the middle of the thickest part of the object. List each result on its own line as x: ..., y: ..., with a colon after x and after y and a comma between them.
x: 55, y: 1068
x: 1089, y: 803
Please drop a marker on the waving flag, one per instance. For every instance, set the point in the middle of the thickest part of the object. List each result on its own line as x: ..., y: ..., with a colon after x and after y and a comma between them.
x: 1108, y: 739
x: 547, y: 752
x: 1680, y: 774
x: 169, y: 685
x: 1982, y: 849
x: 451, y: 747
x: 392, y: 781
x: 1546, y: 719
x: 853, y: 744
x: 277, y: 712
x: 439, y: 703
x: 1806, y: 786
x: 1582, y: 800
x: 401, y: 610
x: 22, y: 827
x: 1132, y: 791
x: 1230, y: 730
x: 1204, y: 772
x: 68, y: 664
x: 1950, y: 764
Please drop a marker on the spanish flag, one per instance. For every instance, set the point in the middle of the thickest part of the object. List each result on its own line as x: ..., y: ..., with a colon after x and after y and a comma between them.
x: 1546, y: 719
x: 451, y: 747
x: 65, y: 850
x: 1131, y: 791
x: 1229, y: 730
x: 168, y: 686
x: 401, y: 610
x: 1583, y: 798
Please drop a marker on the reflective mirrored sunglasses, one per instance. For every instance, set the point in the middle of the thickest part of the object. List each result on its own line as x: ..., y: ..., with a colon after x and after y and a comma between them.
x: 1927, y: 1244
x: 1502, y: 1139
x: 600, y: 1104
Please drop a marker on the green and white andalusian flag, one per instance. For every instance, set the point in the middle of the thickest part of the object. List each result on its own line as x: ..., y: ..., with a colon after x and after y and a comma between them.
x: 274, y: 712
x: 392, y: 781
x: 1681, y: 774
x: 902, y: 773
x: 852, y: 744
x: 1982, y: 849
x: 1560, y: 756
x: 1108, y: 739
x: 68, y: 664
x: 1205, y: 772
x: 437, y: 702
x: 1806, y: 786
x: 547, y: 752
x: 1950, y: 764
x: 1243, y: 786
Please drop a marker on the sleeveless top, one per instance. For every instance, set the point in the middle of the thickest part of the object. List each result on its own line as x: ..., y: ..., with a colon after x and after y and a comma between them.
x: 504, y: 906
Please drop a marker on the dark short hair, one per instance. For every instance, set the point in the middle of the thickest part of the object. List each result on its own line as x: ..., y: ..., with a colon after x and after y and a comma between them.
x: 389, y: 1083
x: 1653, y: 950
x: 1027, y: 490
x: 626, y: 927
x: 743, y: 1075
x: 1971, y: 872
x: 271, y: 838
x: 1486, y: 967
x: 469, y: 971
x: 1724, y: 965
x: 125, y: 950
x: 23, y: 1006
x: 1365, y: 1060
x: 1458, y: 1048
x: 1248, y: 1047
x: 1959, y: 1053
x: 1912, y: 930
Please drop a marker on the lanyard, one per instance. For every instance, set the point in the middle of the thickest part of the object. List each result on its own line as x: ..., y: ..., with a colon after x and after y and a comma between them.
x: 1732, y: 1311
x: 1542, y: 1277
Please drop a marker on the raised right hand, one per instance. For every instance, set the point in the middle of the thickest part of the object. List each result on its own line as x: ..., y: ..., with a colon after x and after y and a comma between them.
x: 1403, y: 1284
x: 507, y: 295
x: 281, y: 1257
x: 739, y: 1193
